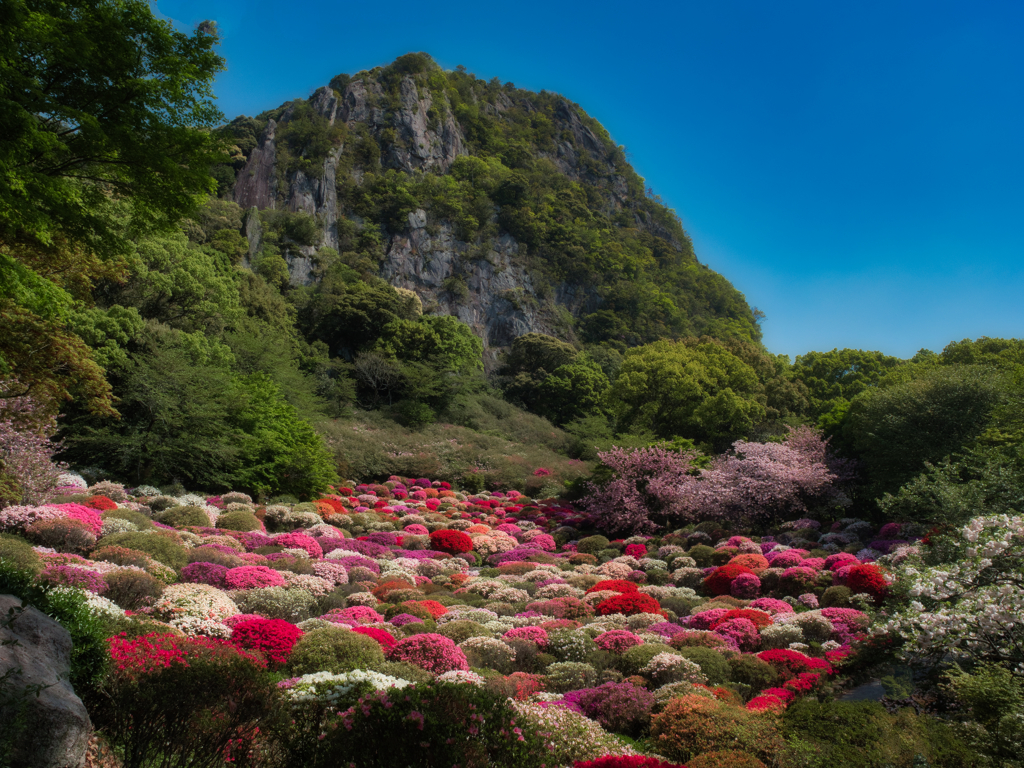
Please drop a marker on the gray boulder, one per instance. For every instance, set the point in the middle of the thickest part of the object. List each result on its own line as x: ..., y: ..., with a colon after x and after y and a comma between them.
x: 36, y: 651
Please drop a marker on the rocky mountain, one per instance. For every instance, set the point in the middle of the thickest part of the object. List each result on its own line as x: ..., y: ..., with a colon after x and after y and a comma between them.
x: 511, y: 210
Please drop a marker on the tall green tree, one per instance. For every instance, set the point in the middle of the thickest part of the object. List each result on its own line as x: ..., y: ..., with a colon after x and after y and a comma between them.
x: 104, y: 111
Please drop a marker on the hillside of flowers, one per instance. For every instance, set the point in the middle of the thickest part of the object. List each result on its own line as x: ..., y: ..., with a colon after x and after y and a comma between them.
x: 487, y: 628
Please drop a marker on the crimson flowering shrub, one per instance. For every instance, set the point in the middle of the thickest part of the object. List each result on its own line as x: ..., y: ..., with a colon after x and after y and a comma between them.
x: 635, y: 550
x: 625, y: 761
x: 789, y: 664
x: 273, y: 638
x: 101, y: 503
x: 615, y: 585
x: 386, y: 639
x: 182, y: 701
x: 719, y: 582
x: 868, y: 578
x: 628, y: 604
x: 432, y: 652
x: 452, y: 542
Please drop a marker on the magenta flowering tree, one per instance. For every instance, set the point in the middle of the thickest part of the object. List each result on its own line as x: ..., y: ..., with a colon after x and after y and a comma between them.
x: 26, y: 451
x: 644, y: 486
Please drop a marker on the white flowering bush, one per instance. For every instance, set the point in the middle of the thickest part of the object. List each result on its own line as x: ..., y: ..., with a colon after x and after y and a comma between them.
x: 971, y: 608
x: 665, y: 668
x: 290, y: 604
x: 337, y: 689
x: 569, y: 736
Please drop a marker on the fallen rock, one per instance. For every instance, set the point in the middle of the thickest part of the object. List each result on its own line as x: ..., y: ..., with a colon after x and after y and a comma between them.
x: 57, y: 726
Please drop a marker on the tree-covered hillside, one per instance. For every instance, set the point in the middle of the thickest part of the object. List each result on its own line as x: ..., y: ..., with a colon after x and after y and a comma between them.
x: 513, y: 210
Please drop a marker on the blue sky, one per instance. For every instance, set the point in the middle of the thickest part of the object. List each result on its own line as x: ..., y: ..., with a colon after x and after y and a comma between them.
x: 855, y: 168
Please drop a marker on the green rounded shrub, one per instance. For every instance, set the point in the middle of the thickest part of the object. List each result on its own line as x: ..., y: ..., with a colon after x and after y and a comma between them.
x: 836, y: 597
x: 182, y: 516
x: 18, y: 551
x: 702, y: 554
x: 591, y: 545
x: 332, y: 649
x: 636, y: 658
x: 462, y: 629
x: 162, y: 546
x: 132, y: 589
x: 239, y: 520
x: 750, y: 670
x: 565, y: 676
x: 712, y: 663
x: 137, y: 519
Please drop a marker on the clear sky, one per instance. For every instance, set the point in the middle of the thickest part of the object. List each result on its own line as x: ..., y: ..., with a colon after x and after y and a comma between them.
x: 856, y: 169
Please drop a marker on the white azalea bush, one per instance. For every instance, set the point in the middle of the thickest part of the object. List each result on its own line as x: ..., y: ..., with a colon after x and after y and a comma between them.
x: 969, y: 609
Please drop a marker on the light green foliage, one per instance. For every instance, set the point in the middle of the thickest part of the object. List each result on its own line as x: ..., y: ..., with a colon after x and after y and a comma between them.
x: 700, y: 391
x: 440, y: 341
x: 108, y: 332
x: 278, y: 451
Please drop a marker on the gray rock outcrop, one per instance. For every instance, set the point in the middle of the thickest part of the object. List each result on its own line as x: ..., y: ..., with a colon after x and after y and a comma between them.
x: 38, y: 650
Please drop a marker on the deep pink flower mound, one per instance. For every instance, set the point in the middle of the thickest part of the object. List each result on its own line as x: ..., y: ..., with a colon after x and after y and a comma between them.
x: 252, y: 577
x: 90, y: 517
x: 617, y: 641
x: 415, y: 529
x: 299, y: 541
x: 273, y: 638
x: 137, y: 656
x: 771, y: 606
x: 360, y: 613
x: 742, y: 632
x: 746, y: 586
x: 386, y: 639
x: 452, y: 542
x: 785, y: 559
x: 628, y: 605
x: 868, y: 578
x: 204, y: 573
x: 626, y: 761
x: 719, y: 581
x: 705, y: 619
x: 533, y: 634
x: 636, y: 550
x: 614, y: 585
x: 840, y: 559
x: 429, y: 651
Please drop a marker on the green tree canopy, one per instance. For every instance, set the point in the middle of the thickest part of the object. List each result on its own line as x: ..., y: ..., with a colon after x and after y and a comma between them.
x: 700, y: 391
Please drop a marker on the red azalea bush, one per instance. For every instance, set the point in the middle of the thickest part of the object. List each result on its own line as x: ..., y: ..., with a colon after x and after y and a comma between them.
x: 868, y: 578
x: 636, y: 550
x: 615, y: 585
x: 101, y: 503
x: 273, y: 638
x: 384, y: 638
x: 134, y: 657
x: 452, y: 542
x: 628, y: 605
x: 432, y: 652
x: 789, y: 663
x: 719, y: 581
x: 435, y: 608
